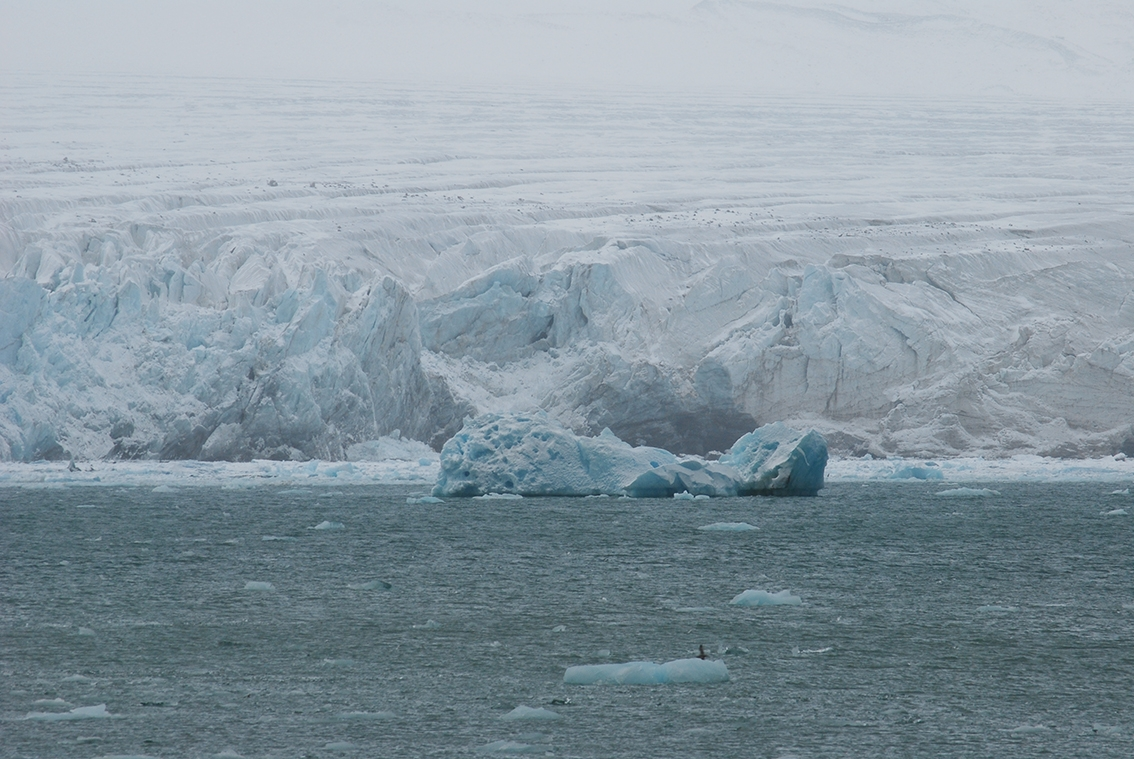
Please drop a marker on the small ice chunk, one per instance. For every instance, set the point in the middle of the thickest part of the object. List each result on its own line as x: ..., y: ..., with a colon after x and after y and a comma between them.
x: 86, y: 632
x: 80, y: 712
x: 228, y: 753
x: 967, y: 493
x: 694, y: 609
x: 648, y: 673
x: 917, y: 473
x: 764, y: 598
x: 86, y: 506
x: 1120, y: 456
x: 1029, y: 729
x: 341, y: 663
x: 528, y: 713
x: 278, y: 538
x: 371, y: 585
x: 684, y: 495
x: 702, y: 497
x: 51, y: 702
x: 559, y: 628
x: 510, y: 747
x: 1114, y: 513
x: 325, y: 525
x: 728, y: 527
x: 498, y: 497
x: 253, y: 585
x: 164, y: 489
x: 994, y: 608
x: 424, y: 499
x: 1124, y: 491
x: 366, y: 716
x: 429, y: 625
x: 76, y: 679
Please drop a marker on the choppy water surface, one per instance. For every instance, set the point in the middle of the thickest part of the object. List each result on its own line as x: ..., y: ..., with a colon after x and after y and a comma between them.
x: 930, y: 626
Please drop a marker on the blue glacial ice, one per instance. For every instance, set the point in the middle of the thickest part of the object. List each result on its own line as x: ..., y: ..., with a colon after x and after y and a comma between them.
x: 532, y: 454
x: 764, y: 598
x: 648, y: 673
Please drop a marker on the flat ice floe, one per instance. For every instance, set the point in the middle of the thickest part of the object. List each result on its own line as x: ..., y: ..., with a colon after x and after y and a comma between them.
x: 764, y: 598
x: 258, y: 586
x: 967, y: 493
x: 80, y: 712
x: 728, y: 527
x: 529, y: 713
x: 648, y: 673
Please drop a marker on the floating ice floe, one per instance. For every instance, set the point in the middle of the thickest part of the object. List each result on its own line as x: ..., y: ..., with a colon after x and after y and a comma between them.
x: 764, y: 598
x: 521, y: 454
x: 253, y: 585
x: 278, y: 539
x: 967, y: 493
x: 648, y: 673
x: 81, y: 712
x: 324, y: 525
x: 1114, y: 513
x: 728, y: 527
x: 511, y: 747
x: 528, y: 713
x: 424, y: 499
x: 164, y: 489
x: 371, y: 585
x: 366, y: 716
x: 1029, y: 729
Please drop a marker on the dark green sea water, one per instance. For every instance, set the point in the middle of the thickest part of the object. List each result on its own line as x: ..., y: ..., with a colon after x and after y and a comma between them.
x: 930, y: 627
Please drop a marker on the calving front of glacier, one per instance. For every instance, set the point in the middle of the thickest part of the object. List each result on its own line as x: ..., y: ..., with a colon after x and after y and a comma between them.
x: 934, y: 292
x: 533, y: 455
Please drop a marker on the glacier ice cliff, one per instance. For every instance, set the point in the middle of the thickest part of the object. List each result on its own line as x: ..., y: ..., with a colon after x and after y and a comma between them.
x: 640, y: 265
x: 535, y: 455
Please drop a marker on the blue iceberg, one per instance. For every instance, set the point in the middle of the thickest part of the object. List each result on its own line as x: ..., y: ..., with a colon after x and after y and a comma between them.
x: 532, y: 454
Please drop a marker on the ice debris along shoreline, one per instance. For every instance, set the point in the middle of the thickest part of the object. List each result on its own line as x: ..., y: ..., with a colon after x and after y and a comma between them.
x: 534, y: 455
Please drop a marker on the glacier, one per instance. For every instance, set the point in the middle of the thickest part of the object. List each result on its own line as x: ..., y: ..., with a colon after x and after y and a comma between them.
x: 523, y: 455
x: 913, y: 283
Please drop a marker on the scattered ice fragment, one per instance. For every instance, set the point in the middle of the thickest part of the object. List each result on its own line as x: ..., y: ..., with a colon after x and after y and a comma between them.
x: 1100, y: 728
x: 1114, y: 513
x: 510, y: 747
x: 917, y: 473
x: 429, y: 625
x: 498, y: 497
x: 648, y: 673
x: 293, y: 491
x: 164, y: 489
x: 728, y: 527
x: 86, y: 506
x: 228, y: 753
x: 764, y: 598
x: 51, y: 702
x: 997, y: 608
x: 76, y: 679
x: 278, y: 538
x: 1029, y: 729
x: 603, y: 653
x: 684, y: 495
x: 87, y: 632
x: 253, y: 585
x: 342, y: 663
x: 967, y: 493
x: 324, y: 525
x: 79, y: 712
x: 559, y: 628
x: 1124, y: 491
x: 340, y: 746
x: 371, y: 585
x: 528, y: 713
x: 797, y: 651
x: 424, y: 499
x: 694, y: 609
x: 701, y: 497
x: 1120, y: 456
x: 366, y: 716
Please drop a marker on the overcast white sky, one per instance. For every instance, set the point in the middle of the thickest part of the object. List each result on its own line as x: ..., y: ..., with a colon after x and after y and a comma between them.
x: 989, y: 48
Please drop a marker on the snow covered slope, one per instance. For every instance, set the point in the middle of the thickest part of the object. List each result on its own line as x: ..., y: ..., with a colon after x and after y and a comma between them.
x: 227, y: 270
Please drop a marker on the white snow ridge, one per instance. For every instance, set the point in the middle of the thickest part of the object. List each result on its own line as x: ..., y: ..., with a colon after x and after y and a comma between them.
x: 938, y: 290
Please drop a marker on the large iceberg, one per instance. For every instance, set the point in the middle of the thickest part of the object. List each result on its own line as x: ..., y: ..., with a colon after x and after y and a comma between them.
x: 532, y: 454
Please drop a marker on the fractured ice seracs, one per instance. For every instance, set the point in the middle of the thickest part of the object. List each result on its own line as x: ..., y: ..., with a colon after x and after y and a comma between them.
x: 928, y: 283
x: 532, y: 454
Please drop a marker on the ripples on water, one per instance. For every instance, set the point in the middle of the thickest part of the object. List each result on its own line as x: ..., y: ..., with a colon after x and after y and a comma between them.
x: 210, y: 621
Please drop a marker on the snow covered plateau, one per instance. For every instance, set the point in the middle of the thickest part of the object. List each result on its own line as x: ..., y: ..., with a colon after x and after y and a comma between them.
x: 227, y: 270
